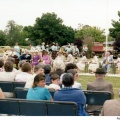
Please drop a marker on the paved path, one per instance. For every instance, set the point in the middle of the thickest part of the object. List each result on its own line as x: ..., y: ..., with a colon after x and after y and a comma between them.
x: 88, y: 74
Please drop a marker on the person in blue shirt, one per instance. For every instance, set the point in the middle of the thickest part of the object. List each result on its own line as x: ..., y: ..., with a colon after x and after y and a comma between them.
x: 38, y: 90
x: 71, y: 94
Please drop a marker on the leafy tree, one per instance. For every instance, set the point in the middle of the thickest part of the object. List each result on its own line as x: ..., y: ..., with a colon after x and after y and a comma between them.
x: 97, y: 34
x: 14, y: 33
x: 3, y: 38
x: 79, y: 43
x: 115, y: 31
x: 49, y: 28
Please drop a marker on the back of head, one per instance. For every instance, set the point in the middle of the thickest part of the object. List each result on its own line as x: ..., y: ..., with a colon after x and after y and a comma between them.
x: 67, y: 80
x: 11, y: 59
x: 70, y: 66
x: 73, y: 71
x: 54, y: 76
x: 1, y: 63
x: 8, y: 66
x: 47, y: 69
x: 37, y: 67
x: 58, y: 64
x: 26, y: 67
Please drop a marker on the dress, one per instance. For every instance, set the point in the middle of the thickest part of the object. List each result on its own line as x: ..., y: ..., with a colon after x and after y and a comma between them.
x: 46, y: 59
x: 35, y: 60
x: 72, y: 95
x: 94, y: 64
x: 81, y: 63
x: 38, y: 93
x: 17, y: 50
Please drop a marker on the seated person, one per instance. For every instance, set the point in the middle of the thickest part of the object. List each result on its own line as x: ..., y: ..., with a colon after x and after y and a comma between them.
x: 1, y: 94
x: 75, y: 75
x: 47, y: 70
x: 38, y: 90
x: 26, y: 56
x: 94, y: 64
x: 55, y: 81
x: 111, y: 107
x: 26, y: 73
x: 108, y: 60
x: 71, y: 94
x: 37, y: 70
x: 82, y: 62
x: 118, y: 63
x: 99, y: 85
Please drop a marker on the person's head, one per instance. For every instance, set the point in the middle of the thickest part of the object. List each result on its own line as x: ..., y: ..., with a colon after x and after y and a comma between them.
x: 39, y: 80
x: 55, y: 79
x: 45, y: 52
x: 100, y: 73
x: 67, y: 80
x: 11, y: 59
x: 70, y: 66
x: 21, y: 63
x: 107, y: 54
x: 36, y: 52
x: 26, y: 67
x: 26, y: 51
x: 93, y: 54
x: 8, y: 66
x: 1, y: 63
x: 39, y: 69
x: 58, y: 64
x: 74, y: 73
x: 47, y: 69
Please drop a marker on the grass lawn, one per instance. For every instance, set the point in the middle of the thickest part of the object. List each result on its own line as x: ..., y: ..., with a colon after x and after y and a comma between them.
x: 83, y: 79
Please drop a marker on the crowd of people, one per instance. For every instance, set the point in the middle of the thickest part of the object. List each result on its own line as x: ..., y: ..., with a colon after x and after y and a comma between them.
x: 36, y: 67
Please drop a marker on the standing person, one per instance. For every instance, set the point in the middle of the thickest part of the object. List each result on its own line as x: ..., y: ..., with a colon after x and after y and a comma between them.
x: 99, y: 85
x: 17, y: 50
x: 108, y: 60
x: 38, y: 90
x: 71, y: 94
x: 111, y: 107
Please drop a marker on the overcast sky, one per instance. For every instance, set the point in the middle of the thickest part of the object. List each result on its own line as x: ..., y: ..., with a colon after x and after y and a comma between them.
x: 87, y: 12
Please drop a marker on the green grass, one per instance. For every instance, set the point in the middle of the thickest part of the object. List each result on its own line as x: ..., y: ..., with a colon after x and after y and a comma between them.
x: 84, y: 80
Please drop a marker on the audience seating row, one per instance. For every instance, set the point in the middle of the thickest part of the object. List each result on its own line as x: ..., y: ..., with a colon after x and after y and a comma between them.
x: 22, y: 107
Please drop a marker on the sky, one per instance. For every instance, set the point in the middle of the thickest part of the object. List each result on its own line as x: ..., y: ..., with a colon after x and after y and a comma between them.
x: 73, y: 12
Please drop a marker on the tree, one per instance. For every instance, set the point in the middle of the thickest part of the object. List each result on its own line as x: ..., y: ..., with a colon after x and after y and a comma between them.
x: 3, y: 38
x: 14, y: 33
x: 115, y: 31
x: 96, y: 33
x: 49, y: 28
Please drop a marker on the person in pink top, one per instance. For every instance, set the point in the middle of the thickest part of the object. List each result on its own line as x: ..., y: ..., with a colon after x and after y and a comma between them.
x: 46, y: 57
